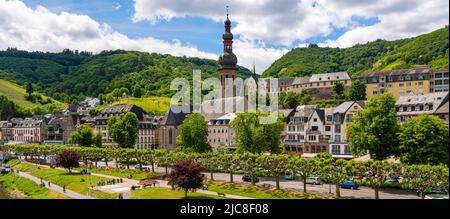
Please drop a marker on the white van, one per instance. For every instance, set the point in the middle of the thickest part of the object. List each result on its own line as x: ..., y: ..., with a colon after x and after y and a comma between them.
x: 314, y: 180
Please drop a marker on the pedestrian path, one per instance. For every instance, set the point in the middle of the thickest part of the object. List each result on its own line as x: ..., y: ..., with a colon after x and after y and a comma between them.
x: 127, y: 183
x: 54, y: 187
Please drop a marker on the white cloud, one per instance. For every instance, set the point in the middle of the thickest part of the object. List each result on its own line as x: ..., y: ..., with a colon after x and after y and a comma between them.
x: 41, y: 30
x: 117, y: 6
x: 284, y: 22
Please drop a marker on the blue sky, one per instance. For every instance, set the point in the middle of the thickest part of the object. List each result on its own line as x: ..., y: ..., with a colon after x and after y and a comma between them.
x: 264, y: 29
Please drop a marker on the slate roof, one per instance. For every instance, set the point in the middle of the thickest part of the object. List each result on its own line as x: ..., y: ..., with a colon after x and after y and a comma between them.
x: 443, y: 109
x: 118, y: 109
x: 300, y: 80
x: 174, y: 119
x: 304, y: 111
x: 335, y: 76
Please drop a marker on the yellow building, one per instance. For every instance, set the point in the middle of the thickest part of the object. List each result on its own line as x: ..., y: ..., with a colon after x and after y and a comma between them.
x: 343, y: 116
x: 419, y: 80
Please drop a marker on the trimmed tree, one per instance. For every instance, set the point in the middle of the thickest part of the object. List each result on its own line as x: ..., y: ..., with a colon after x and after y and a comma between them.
x: 68, y: 159
x: 275, y: 165
x: 337, y: 172
x: 186, y: 175
x: 375, y: 129
x: 249, y: 164
x: 193, y: 134
x: 424, y: 178
x: 304, y: 167
x: 377, y: 172
x: 424, y: 140
x: 123, y: 129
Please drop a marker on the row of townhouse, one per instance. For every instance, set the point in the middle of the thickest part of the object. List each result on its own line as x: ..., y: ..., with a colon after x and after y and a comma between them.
x: 418, y: 80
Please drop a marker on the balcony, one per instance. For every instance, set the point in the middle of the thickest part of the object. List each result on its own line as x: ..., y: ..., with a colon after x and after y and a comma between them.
x: 294, y: 140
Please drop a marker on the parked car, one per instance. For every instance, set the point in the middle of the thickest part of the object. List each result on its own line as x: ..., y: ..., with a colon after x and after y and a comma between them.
x: 314, y: 180
x: 248, y: 178
x: 5, y: 169
x: 392, y: 180
x: 439, y: 191
x: 349, y: 185
x: 289, y: 175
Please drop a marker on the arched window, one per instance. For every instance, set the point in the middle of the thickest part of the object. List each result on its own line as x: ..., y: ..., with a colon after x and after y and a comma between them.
x: 170, y: 136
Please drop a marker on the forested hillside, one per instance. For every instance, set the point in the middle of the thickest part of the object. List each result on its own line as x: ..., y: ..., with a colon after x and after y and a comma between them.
x: 431, y: 49
x: 71, y: 75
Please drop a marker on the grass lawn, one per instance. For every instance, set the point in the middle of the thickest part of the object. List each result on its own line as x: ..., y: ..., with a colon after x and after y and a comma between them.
x: 166, y: 193
x: 124, y: 173
x: 254, y: 192
x: 28, y: 188
x: 73, y: 181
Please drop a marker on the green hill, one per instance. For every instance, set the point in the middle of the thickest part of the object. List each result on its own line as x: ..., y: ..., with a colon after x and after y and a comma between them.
x: 151, y: 105
x: 431, y: 49
x: 15, y: 93
x: 70, y: 75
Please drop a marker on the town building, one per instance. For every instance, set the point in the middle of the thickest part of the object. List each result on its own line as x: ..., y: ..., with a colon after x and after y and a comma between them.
x: 419, y: 80
x: 30, y: 130
x: 220, y: 132
x: 58, y: 129
x: 169, y: 128
x: 413, y: 105
x: 148, y: 137
x: 442, y: 112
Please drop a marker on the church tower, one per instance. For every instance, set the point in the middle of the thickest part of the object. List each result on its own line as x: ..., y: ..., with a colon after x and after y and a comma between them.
x: 228, y: 59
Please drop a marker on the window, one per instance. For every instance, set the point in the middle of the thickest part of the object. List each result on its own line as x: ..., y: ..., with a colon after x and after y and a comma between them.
x: 329, y: 118
x: 346, y: 149
x: 337, y: 128
x: 335, y: 149
x: 337, y: 138
x: 408, y: 84
x: 401, y: 85
x: 312, y: 137
x: 375, y: 92
x: 420, y: 83
x: 327, y: 128
x: 315, y: 119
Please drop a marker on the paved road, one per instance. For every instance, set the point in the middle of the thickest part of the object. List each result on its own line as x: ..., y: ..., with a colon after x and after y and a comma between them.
x: 361, y: 193
x: 54, y: 187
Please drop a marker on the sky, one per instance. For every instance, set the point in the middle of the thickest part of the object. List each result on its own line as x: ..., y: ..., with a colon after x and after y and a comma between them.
x: 264, y: 29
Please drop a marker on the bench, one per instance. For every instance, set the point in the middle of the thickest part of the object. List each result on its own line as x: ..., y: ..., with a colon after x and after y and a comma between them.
x: 221, y: 194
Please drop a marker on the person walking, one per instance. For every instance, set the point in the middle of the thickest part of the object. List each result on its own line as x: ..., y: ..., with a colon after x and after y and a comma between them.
x: 64, y: 188
x: 48, y: 183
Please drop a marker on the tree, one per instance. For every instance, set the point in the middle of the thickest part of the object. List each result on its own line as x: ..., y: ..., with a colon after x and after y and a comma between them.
x: 7, y: 108
x: 186, y: 175
x: 357, y: 91
x: 338, y: 89
x: 275, y: 165
x: 123, y: 129
x: 424, y: 140
x: 229, y: 162
x: 137, y: 91
x: 291, y: 100
x: 252, y: 136
x: 249, y: 163
x: 424, y: 178
x: 375, y: 173
x: 337, y: 172
x: 375, y: 129
x: 68, y: 159
x: 97, y: 141
x: 193, y: 134
x: 29, y: 89
x: 82, y: 136
x: 304, y: 168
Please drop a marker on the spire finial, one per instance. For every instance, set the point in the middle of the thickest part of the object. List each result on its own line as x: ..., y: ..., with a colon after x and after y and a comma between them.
x: 228, y: 7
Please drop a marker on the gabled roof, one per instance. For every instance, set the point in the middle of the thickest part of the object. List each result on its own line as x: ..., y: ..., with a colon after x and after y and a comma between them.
x: 174, y: 119
x: 345, y: 106
x: 118, y: 109
x: 443, y: 109
x: 283, y: 82
x: 305, y: 111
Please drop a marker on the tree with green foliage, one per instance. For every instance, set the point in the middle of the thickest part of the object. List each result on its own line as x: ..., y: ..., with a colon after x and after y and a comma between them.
x: 336, y: 172
x: 83, y: 136
x: 304, y: 167
x: 137, y: 91
x: 375, y: 173
x: 123, y: 129
x: 29, y: 89
x: 7, y: 108
x: 338, y: 90
x: 291, y: 100
x: 193, y: 134
x: 249, y: 163
x: 229, y: 162
x: 357, y: 91
x: 97, y: 142
x: 252, y: 136
x: 424, y: 178
x: 276, y: 165
x: 424, y: 140
x: 375, y: 129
